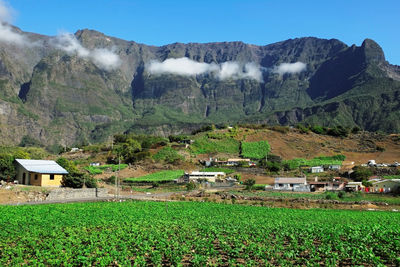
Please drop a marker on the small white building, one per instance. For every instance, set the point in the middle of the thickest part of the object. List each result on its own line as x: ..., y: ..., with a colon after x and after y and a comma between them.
x: 334, y: 167
x: 317, y: 169
x: 207, y: 176
x: 291, y: 184
x: 354, y: 186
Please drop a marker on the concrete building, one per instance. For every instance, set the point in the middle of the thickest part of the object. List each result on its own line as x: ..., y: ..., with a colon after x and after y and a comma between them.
x: 317, y: 169
x: 39, y: 172
x: 205, y: 176
x: 386, y: 186
x: 291, y: 184
x: 354, y: 186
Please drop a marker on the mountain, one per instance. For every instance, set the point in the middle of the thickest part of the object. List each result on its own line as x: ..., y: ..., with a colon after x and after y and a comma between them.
x: 95, y: 85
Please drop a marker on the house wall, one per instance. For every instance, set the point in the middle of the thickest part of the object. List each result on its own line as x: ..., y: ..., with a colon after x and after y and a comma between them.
x: 33, y: 181
x: 387, y: 186
x: 20, y: 173
x: 47, y: 182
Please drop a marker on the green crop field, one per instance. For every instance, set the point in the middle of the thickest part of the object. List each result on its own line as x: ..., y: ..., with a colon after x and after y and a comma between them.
x: 195, y: 234
x: 162, y: 176
x: 100, y: 169
x: 255, y: 150
x: 317, y: 161
x: 204, y: 145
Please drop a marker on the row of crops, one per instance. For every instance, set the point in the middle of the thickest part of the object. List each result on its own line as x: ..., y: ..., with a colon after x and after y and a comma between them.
x: 101, y: 168
x: 194, y: 233
x: 317, y: 161
x: 161, y: 176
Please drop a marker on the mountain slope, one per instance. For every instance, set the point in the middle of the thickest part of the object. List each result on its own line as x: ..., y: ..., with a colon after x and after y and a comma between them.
x: 57, y: 96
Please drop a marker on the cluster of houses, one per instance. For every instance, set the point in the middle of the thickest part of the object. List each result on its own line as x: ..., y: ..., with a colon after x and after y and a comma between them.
x: 229, y: 162
x: 300, y: 184
x: 49, y: 173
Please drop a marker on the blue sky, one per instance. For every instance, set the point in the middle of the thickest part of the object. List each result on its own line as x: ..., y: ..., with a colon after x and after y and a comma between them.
x: 252, y: 21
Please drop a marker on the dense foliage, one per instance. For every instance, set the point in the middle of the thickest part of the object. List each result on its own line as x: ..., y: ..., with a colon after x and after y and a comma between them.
x: 101, y: 168
x: 191, y: 233
x: 168, y: 155
x: 161, y: 176
x: 255, y: 150
x: 75, y: 178
x: 205, y: 145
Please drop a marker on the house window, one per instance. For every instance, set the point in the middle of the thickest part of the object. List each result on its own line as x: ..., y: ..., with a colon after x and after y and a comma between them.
x: 36, y: 176
x: 51, y: 176
x: 291, y: 185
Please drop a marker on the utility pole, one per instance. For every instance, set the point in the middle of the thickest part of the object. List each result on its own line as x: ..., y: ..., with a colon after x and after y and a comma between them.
x: 117, y: 178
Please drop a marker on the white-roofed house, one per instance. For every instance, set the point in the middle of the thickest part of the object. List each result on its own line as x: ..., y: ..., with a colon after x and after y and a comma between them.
x: 39, y: 172
x: 298, y: 184
x: 207, y: 176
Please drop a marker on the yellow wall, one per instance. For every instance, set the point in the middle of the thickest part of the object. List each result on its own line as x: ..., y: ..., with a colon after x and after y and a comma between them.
x: 32, y: 180
x: 47, y: 182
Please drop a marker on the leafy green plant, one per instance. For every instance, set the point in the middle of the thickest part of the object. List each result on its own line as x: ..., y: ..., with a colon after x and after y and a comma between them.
x: 168, y: 155
x: 194, y: 233
x: 255, y: 150
x: 161, y: 176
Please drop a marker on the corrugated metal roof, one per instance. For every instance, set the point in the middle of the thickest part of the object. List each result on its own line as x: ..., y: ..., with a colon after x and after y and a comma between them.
x: 207, y: 173
x: 41, y: 166
x: 296, y: 180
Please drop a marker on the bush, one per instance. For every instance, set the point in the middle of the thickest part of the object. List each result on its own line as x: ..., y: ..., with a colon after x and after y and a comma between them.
x: 273, y: 166
x: 302, y: 128
x: 249, y: 183
x: 90, y: 182
x: 168, y: 155
x: 191, y: 186
x: 318, y: 129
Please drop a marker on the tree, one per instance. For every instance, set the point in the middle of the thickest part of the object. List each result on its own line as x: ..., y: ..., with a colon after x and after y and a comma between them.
x: 7, y: 168
x: 360, y: 173
x: 74, y: 178
x: 249, y: 183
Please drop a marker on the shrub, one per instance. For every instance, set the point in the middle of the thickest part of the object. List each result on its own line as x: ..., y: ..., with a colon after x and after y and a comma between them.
x: 168, y: 155
x: 249, y: 183
x: 318, y: 129
x: 273, y: 166
x: 302, y: 128
x: 191, y: 186
x: 341, y: 194
x: 90, y: 182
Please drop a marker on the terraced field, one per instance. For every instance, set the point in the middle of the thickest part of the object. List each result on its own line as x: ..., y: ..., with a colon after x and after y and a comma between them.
x: 194, y: 233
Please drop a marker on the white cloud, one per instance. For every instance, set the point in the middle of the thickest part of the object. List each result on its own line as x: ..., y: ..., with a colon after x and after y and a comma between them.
x: 290, y: 68
x: 101, y: 57
x: 187, y: 67
x: 6, y: 12
x: 180, y: 66
x: 7, y: 33
x: 105, y: 58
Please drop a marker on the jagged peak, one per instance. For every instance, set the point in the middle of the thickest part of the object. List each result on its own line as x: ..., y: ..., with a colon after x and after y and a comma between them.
x: 372, y: 50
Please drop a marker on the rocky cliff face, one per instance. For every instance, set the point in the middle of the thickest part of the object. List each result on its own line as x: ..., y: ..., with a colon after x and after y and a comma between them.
x: 59, y: 95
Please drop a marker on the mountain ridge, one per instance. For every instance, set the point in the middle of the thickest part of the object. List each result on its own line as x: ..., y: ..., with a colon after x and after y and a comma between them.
x: 61, y: 97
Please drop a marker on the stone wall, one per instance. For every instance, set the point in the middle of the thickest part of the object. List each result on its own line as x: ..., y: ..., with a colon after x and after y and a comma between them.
x: 82, y: 193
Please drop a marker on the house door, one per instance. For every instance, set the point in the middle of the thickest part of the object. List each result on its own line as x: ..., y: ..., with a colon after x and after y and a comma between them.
x: 23, y: 178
